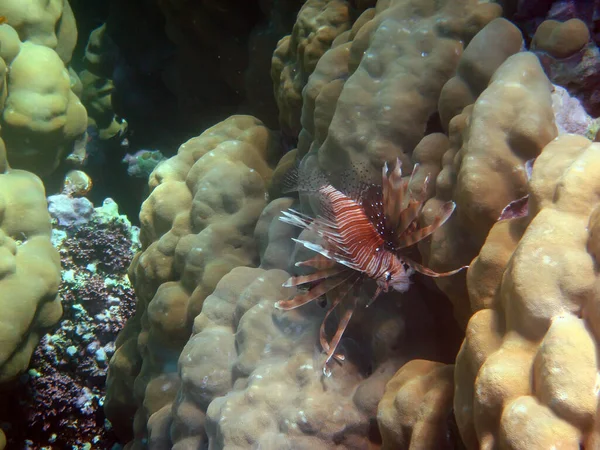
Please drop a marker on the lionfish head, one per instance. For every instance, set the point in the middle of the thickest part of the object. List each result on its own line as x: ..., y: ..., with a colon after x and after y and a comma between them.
x: 400, y: 281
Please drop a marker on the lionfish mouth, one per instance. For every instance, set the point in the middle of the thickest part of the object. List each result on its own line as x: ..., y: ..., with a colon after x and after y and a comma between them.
x: 357, y: 245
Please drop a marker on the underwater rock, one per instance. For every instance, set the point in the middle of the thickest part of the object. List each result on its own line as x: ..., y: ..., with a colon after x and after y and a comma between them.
x: 68, y: 211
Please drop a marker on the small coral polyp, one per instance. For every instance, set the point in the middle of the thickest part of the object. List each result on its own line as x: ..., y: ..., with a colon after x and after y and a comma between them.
x: 357, y: 247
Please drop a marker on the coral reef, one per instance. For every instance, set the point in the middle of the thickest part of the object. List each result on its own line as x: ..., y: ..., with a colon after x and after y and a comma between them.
x: 208, y: 361
x: 49, y: 24
x: 61, y: 397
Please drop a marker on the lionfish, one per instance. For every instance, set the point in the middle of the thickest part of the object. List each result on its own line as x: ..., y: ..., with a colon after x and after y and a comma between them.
x: 355, y: 248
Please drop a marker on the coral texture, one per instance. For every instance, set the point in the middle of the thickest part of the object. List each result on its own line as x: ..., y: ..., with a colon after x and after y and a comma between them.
x: 250, y: 376
x: 196, y: 225
x: 398, y: 63
x: 41, y: 116
x: 29, y: 271
x: 318, y: 23
x: 60, y: 400
x: 526, y: 374
x: 483, y: 169
x: 416, y: 407
x: 49, y: 24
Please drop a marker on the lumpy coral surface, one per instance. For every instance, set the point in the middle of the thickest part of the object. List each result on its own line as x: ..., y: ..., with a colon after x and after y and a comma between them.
x: 489, y: 108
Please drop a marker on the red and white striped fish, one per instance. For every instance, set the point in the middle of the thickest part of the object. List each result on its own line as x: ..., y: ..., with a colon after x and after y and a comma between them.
x: 355, y: 248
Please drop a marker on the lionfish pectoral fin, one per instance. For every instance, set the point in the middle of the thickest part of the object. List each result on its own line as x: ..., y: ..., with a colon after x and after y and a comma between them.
x: 339, y: 293
x: 431, y: 273
x: 408, y: 215
x: 319, y: 275
x: 314, y: 247
x: 337, y: 337
x: 313, y: 293
x: 515, y: 209
x: 375, y: 295
x: 422, y: 193
x: 295, y: 218
x: 393, y: 190
x: 318, y: 262
x: 413, y: 237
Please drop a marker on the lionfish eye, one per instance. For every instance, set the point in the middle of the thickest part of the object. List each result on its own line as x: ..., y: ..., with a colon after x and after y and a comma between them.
x: 388, y: 276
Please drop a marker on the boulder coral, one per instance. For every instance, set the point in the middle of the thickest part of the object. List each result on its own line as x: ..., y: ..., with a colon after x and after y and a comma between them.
x: 250, y: 376
x: 318, y: 24
x: 526, y: 375
x: 416, y: 407
x: 484, y: 167
x: 196, y: 226
x: 208, y: 361
x: 49, y: 24
x: 29, y: 269
x: 41, y: 116
x: 398, y: 63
